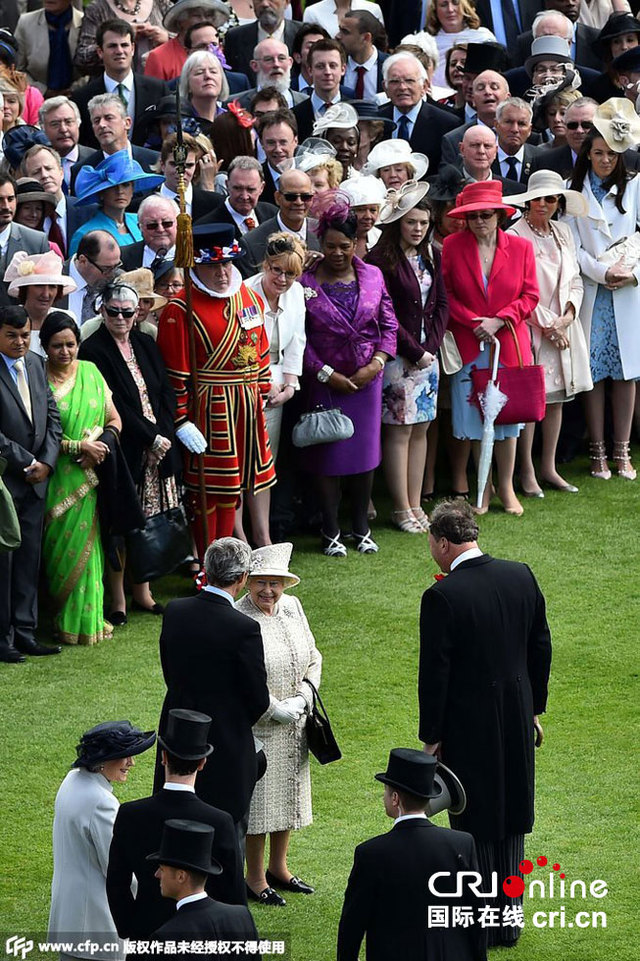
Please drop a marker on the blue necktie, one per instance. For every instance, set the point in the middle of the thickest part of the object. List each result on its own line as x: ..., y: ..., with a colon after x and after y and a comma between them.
x: 403, y: 128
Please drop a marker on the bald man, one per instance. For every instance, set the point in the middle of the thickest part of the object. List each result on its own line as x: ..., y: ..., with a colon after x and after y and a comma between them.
x: 478, y: 152
x: 553, y: 22
x: 489, y: 89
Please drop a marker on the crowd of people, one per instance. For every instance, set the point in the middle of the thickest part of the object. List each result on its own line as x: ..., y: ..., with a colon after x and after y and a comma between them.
x: 379, y: 198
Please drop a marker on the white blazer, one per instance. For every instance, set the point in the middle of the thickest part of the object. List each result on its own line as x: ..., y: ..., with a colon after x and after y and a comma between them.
x: 85, y: 812
x: 290, y: 328
x: 593, y: 234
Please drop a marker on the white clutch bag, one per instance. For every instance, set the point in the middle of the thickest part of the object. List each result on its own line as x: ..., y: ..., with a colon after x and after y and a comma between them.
x: 627, y: 250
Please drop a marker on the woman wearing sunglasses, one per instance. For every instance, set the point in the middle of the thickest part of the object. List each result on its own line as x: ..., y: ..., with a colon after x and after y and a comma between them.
x: 134, y: 370
x: 492, y: 287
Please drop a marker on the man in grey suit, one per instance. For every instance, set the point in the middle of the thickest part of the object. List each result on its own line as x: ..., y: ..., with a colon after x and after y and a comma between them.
x: 30, y: 435
x: 14, y: 237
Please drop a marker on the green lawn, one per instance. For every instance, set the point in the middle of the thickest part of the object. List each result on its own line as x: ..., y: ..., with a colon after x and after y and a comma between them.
x: 364, y: 613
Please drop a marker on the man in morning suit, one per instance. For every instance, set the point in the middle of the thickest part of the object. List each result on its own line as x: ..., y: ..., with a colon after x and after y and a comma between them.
x: 184, y: 861
x: 213, y: 661
x: 418, y: 121
x: 242, y: 208
x: 387, y: 898
x: 30, y: 436
x: 138, y: 829
x: 115, y: 46
x: 240, y: 42
x: 485, y: 656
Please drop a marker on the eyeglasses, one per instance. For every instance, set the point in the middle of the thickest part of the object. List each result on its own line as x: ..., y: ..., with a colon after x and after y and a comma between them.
x: 105, y: 271
x: 400, y: 81
x: 281, y: 58
x: 56, y: 124
x: 173, y: 285
x: 156, y: 225
x: 279, y: 272
x: 290, y: 197
x: 120, y: 312
x: 481, y: 215
x: 579, y: 124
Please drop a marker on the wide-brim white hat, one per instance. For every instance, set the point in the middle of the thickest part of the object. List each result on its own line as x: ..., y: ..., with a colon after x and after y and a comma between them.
x: 363, y: 190
x: 273, y: 561
x: 400, y: 202
x: 339, y: 116
x: 391, y: 152
x: 27, y: 270
x: 217, y: 11
x: 545, y: 183
x: 618, y: 123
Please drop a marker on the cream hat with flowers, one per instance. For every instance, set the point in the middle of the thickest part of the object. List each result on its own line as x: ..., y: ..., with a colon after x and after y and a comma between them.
x: 25, y: 270
x: 273, y: 561
x: 617, y: 121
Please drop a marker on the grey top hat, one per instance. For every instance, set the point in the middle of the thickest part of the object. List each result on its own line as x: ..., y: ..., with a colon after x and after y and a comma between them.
x: 186, y: 734
x: 548, y: 48
x: 187, y: 844
x: 412, y: 771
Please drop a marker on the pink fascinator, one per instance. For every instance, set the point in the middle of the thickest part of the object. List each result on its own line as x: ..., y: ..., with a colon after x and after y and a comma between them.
x: 331, y: 209
x: 28, y: 269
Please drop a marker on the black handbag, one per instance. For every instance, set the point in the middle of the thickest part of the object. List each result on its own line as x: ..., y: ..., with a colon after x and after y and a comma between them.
x: 320, y: 737
x: 162, y: 545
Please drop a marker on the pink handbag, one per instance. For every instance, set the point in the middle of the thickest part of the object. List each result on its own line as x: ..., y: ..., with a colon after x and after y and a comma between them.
x: 523, y: 386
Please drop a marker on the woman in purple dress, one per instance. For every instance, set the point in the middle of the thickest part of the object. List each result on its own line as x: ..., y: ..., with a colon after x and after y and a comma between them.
x: 351, y: 333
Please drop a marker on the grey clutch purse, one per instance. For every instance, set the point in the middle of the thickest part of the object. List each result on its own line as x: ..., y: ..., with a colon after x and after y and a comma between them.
x: 322, y: 426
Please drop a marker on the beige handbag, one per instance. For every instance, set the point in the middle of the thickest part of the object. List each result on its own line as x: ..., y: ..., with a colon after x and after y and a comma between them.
x: 450, y: 359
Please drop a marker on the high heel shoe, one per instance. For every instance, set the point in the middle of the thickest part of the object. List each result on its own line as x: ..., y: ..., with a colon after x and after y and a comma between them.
x: 598, y: 457
x: 333, y: 546
x: 407, y: 521
x: 622, y: 459
x: 421, y: 517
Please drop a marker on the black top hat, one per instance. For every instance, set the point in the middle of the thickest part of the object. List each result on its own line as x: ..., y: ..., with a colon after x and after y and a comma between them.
x: 215, y: 244
x: 411, y: 771
x: 186, y: 735
x: 187, y: 844
x: 486, y: 56
x: 110, y: 741
x: 627, y: 62
x: 447, y: 185
x: 367, y: 110
x: 617, y: 25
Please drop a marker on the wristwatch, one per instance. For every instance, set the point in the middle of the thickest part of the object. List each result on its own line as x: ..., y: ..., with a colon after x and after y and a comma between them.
x: 324, y: 374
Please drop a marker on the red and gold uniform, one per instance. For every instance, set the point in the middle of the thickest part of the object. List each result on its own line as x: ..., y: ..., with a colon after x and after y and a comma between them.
x: 232, y: 357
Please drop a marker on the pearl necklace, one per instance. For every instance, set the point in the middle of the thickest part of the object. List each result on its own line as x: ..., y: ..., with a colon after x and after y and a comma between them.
x: 129, y: 13
x: 537, y: 231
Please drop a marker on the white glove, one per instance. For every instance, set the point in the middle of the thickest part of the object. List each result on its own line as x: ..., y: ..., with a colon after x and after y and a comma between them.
x: 284, y: 714
x: 192, y: 438
x: 295, y: 703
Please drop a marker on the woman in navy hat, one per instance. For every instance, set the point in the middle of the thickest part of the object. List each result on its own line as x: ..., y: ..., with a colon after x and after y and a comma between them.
x: 111, y: 185
x: 620, y: 33
x: 85, y: 812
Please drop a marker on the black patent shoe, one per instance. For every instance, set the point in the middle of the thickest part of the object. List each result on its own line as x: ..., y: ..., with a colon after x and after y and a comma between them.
x: 295, y: 885
x: 268, y: 896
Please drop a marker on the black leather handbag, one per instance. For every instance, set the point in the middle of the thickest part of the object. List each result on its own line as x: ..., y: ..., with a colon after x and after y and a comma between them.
x: 162, y: 545
x: 320, y: 737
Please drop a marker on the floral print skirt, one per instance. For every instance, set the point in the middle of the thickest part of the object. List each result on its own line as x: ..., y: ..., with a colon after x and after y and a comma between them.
x: 409, y: 394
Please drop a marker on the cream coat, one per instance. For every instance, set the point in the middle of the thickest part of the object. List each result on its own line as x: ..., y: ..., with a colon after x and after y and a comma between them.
x: 32, y: 34
x: 573, y: 362
x: 292, y: 338
x: 85, y: 812
x: 593, y: 234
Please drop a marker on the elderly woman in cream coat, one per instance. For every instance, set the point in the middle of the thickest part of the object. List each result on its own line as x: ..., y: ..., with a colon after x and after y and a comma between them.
x: 611, y: 305
x: 85, y: 812
x: 281, y: 801
x: 557, y: 338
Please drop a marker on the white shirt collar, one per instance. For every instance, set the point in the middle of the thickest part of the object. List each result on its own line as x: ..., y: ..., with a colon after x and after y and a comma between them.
x: 210, y: 587
x: 502, y: 154
x: 188, y: 194
x: 111, y: 85
x: 239, y: 219
x: 61, y: 207
x: 4, y: 237
x: 407, y: 817
x: 76, y: 275
x: 72, y: 156
x: 149, y: 255
x: 302, y: 234
x: 128, y: 148
x: 469, y: 176
x: 318, y: 103
x: 368, y: 64
x: 173, y: 786
x: 411, y: 115
x: 277, y: 34
x: 190, y: 898
x: 234, y: 287
x: 465, y: 556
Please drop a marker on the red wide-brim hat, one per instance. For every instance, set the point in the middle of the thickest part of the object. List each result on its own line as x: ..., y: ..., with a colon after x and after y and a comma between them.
x: 483, y: 195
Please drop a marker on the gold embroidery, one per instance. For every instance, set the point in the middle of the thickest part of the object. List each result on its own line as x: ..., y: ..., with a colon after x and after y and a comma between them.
x: 59, y: 509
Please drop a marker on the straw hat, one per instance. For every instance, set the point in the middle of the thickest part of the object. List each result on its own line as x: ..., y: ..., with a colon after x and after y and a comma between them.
x: 339, y: 116
x: 395, y: 152
x: 619, y: 124
x: 142, y: 282
x: 26, y: 270
x: 400, y: 202
x: 551, y: 48
x: 545, y: 183
x: 482, y: 195
x: 364, y: 190
x: 273, y: 561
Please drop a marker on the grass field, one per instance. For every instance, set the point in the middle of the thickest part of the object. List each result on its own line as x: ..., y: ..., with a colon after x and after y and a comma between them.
x: 363, y: 611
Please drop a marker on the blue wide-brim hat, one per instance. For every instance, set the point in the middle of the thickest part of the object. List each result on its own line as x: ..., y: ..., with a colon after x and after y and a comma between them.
x: 119, y: 168
x: 215, y: 244
x: 17, y: 141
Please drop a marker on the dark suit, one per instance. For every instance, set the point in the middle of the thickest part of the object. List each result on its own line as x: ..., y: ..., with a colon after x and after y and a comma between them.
x: 240, y: 42
x: 137, y: 833
x: 387, y: 898
x: 213, y: 661
x: 218, y: 214
x: 400, y: 19
x: 145, y: 157
x: 77, y: 215
x: 268, y: 194
x: 147, y: 91
x: 584, y: 55
x: 305, y: 117
x: 432, y: 124
x: 131, y: 255
x: 527, y: 9
x: 20, y: 238
x: 255, y: 244
x: 206, y: 920
x: 21, y: 441
x: 530, y: 153
x: 519, y: 82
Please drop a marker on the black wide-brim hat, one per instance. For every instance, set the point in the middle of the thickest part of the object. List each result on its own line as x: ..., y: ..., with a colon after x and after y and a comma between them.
x: 186, y: 735
x: 627, y: 62
x: 413, y: 771
x: 616, y: 26
x: 367, y: 110
x: 111, y: 741
x: 486, y: 56
x: 215, y: 244
x: 445, y: 187
x: 187, y: 844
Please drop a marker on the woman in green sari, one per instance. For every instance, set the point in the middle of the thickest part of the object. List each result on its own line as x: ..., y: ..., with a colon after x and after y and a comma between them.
x: 72, y: 550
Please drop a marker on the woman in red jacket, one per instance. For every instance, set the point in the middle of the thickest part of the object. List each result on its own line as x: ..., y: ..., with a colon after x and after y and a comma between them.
x: 490, y: 278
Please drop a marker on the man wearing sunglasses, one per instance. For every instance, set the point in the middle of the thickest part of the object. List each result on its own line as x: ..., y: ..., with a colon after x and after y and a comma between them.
x: 293, y: 198
x: 95, y: 263
x: 158, y: 218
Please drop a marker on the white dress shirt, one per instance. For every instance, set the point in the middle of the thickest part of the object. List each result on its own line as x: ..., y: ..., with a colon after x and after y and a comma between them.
x: 302, y: 234
x: 191, y: 897
x: 370, y: 77
x: 411, y: 115
x: 111, y: 86
x: 465, y: 556
x: 170, y: 195
x: 504, y: 166
x: 4, y: 240
x: 150, y: 255
x: 67, y: 163
x: 408, y: 817
x: 76, y: 297
x: 318, y: 103
x: 277, y: 34
x: 220, y: 592
x: 174, y: 786
x: 239, y: 219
